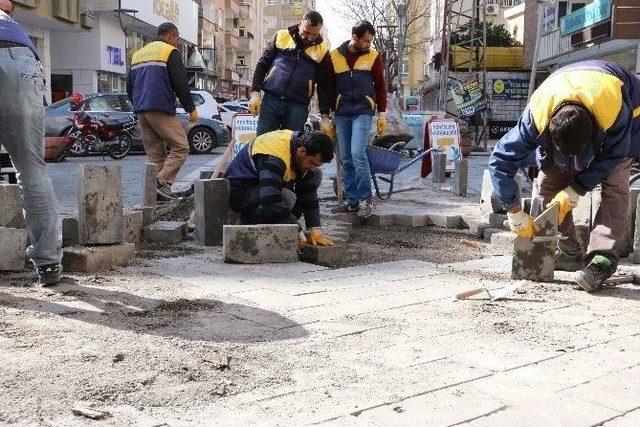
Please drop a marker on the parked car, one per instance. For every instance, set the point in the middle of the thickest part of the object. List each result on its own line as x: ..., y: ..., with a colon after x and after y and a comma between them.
x: 229, y: 109
x: 203, y: 135
x: 206, y: 105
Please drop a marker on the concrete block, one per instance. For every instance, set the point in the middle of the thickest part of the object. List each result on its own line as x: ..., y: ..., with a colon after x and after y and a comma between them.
x: 147, y: 213
x: 70, y: 232
x: 263, y: 243
x: 407, y: 220
x: 446, y: 221
x: 587, y: 207
x: 100, y: 204
x: 346, y: 217
x: 13, y: 242
x: 212, y: 210
x: 206, y: 174
x: 488, y: 232
x: 475, y: 226
x: 381, y: 220
x: 11, y: 210
x: 460, y: 178
x: 439, y: 172
x: 488, y: 202
x: 323, y: 255
x: 497, y: 220
x: 503, y: 242
x: 132, y: 226
x: 536, y: 261
x: 97, y: 258
x: 168, y: 232
x: 149, y: 185
x: 537, y: 206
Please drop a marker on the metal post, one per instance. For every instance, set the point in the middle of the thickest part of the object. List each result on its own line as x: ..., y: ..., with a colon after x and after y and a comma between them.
x: 534, y: 59
x: 402, y: 14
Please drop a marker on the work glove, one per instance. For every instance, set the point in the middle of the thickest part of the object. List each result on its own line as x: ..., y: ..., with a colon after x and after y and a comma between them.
x: 254, y: 103
x: 317, y: 238
x: 381, y: 124
x: 522, y: 224
x: 302, y: 240
x: 567, y: 199
x: 327, y: 127
x: 193, y: 116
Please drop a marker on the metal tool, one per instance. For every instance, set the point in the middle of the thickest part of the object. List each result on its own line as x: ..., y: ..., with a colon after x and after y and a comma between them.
x: 632, y: 278
x: 493, y: 296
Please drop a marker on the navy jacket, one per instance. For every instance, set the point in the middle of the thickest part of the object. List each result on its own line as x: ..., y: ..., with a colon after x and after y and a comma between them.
x: 612, y: 96
x: 10, y: 31
x: 355, y: 86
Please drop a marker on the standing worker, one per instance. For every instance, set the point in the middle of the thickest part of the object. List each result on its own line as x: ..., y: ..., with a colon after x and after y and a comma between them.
x: 359, y: 82
x: 156, y: 77
x: 584, y: 124
x: 22, y: 134
x: 287, y: 72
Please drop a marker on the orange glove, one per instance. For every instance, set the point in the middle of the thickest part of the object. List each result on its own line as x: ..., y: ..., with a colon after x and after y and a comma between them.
x: 317, y: 238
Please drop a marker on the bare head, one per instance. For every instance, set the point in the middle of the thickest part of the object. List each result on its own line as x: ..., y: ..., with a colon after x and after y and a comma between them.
x: 7, y: 7
x: 310, y: 26
x: 361, y: 36
x: 168, y: 33
x: 571, y: 129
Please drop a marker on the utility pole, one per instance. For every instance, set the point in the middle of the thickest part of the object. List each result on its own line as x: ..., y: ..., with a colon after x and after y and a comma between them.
x: 402, y: 18
x: 536, y: 47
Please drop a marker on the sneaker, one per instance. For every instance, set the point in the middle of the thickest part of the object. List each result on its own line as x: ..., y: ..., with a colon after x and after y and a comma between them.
x: 366, y: 210
x: 345, y: 208
x: 49, y: 274
x: 566, y: 261
x: 593, y: 275
x: 164, y: 194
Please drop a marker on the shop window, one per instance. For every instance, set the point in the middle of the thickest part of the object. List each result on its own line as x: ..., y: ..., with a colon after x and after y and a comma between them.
x: 104, y: 103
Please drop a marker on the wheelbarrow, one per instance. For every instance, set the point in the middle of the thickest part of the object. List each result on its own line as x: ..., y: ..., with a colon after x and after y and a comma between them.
x: 385, y: 165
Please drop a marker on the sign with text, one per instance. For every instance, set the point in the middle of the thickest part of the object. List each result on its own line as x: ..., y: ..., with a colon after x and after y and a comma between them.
x: 498, y: 128
x: 468, y: 96
x: 590, y: 14
x: 243, y: 130
x: 509, y: 89
x: 445, y: 135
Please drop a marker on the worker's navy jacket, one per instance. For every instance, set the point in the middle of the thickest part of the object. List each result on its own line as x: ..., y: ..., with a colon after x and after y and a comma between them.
x: 293, y: 72
x: 156, y: 77
x: 10, y: 31
x: 608, y: 91
x: 355, y: 87
x: 269, y: 164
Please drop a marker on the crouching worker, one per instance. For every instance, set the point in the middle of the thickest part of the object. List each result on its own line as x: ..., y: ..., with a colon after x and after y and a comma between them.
x: 275, y: 180
x: 583, y: 122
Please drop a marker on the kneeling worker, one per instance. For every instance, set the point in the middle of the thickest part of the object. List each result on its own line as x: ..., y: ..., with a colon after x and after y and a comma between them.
x: 275, y: 180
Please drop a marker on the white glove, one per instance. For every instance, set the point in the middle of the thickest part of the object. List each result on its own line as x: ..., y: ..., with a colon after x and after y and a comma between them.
x: 522, y: 224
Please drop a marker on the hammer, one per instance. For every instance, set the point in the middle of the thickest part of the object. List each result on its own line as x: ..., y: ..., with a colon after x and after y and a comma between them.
x: 632, y: 278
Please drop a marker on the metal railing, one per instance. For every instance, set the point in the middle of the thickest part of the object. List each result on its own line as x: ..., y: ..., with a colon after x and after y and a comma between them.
x: 553, y: 44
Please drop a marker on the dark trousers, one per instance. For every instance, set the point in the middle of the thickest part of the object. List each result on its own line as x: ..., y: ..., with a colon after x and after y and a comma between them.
x: 276, y: 113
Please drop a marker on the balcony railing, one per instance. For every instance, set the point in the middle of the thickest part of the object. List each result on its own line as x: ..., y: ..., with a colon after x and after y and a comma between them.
x: 230, y: 40
x: 553, y: 44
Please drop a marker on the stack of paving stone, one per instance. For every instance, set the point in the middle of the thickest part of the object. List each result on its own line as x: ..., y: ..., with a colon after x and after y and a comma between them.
x: 98, y: 238
x: 13, y: 233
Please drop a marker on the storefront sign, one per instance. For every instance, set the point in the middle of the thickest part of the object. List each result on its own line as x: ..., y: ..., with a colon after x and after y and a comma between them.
x: 497, y: 129
x: 468, y: 96
x: 509, y: 89
x: 183, y: 13
x: 549, y: 18
x: 591, y: 14
x: 114, y: 55
x: 244, y: 128
x: 445, y: 135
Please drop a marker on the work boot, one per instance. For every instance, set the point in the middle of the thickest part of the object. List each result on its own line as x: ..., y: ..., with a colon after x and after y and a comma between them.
x: 49, y: 274
x: 593, y: 275
x: 345, y: 208
x: 566, y: 261
x: 366, y: 209
x: 164, y: 193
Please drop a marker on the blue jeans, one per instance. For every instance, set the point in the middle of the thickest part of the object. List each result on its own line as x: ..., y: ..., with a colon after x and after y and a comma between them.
x: 22, y: 134
x: 353, y: 133
x: 276, y: 113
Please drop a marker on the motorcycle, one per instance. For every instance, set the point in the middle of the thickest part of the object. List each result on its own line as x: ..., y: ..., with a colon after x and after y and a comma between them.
x: 91, y: 135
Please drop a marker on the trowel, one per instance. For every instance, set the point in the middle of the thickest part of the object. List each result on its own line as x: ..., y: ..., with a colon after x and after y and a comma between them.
x: 493, y: 296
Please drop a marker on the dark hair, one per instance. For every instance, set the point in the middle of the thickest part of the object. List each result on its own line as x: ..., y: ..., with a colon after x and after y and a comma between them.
x: 166, y: 28
x: 571, y: 129
x: 362, y: 28
x: 317, y: 142
x: 313, y: 17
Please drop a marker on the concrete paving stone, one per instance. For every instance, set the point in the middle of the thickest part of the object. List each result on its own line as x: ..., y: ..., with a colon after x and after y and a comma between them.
x: 474, y: 225
x: 13, y: 242
x: 149, y: 185
x: 323, y: 255
x: 460, y: 178
x: 263, y: 243
x: 211, y: 210
x: 497, y: 220
x: 169, y: 232
x: 11, y: 211
x: 439, y: 172
x: 413, y: 220
x: 503, y: 242
x: 96, y: 258
x: 99, y: 204
x: 147, y: 213
x: 446, y: 221
x: 345, y: 217
x: 70, y: 232
x: 381, y: 220
x: 536, y: 261
x: 132, y: 226
x: 488, y: 232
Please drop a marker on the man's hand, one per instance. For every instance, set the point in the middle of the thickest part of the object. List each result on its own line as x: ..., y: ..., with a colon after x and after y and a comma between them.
x: 317, y: 238
x: 567, y: 199
x: 193, y: 116
x: 302, y: 240
x: 327, y: 127
x: 254, y: 103
x: 381, y: 124
x: 522, y: 224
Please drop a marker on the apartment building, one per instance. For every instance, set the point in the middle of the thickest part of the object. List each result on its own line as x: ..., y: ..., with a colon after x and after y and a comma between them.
x: 280, y: 14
